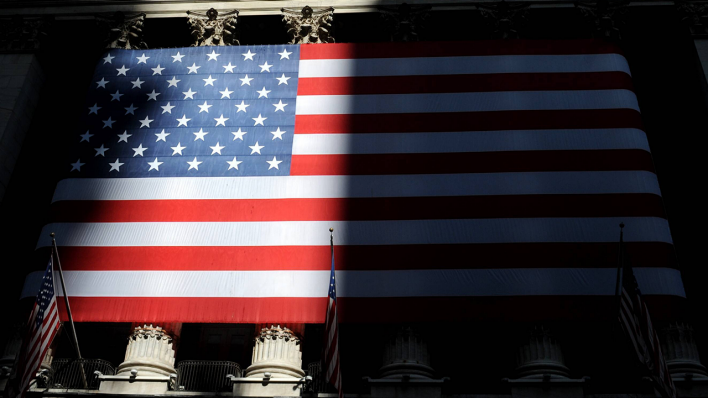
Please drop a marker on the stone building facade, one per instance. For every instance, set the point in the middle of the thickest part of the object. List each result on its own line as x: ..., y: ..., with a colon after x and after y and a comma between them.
x: 47, y: 52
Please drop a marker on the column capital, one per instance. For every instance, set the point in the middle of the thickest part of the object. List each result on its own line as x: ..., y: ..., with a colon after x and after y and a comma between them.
x: 504, y: 20
x: 693, y: 14
x: 21, y: 33
x: 212, y: 29
x: 123, y: 31
x: 309, y: 25
x: 605, y: 16
x: 405, y: 22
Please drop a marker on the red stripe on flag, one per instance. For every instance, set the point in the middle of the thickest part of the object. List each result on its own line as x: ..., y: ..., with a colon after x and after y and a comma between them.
x: 312, y: 310
x: 244, y: 258
x: 456, y: 48
x: 475, y: 162
x: 464, y: 83
x: 339, y: 209
x: 468, y: 121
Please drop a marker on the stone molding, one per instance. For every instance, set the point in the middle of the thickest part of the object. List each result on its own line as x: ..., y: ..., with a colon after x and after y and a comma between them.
x: 405, y: 22
x: 123, y: 31
x: 605, y: 16
x: 541, y: 357
x: 212, y: 29
x: 22, y: 34
x: 309, y: 25
x: 504, y: 20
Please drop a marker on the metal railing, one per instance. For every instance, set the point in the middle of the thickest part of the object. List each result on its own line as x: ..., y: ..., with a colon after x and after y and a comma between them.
x: 206, y: 376
x: 318, y: 384
x: 70, y: 373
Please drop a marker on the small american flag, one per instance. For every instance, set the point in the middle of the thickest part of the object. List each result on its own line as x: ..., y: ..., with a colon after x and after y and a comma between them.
x: 636, y: 323
x: 43, y: 326
x: 332, y: 371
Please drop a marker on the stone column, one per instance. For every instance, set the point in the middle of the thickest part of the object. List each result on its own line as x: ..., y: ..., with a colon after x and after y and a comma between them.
x: 541, y: 357
x: 276, y: 365
x: 406, y: 370
x: 148, y: 367
x: 541, y: 370
x: 309, y: 25
x: 681, y: 354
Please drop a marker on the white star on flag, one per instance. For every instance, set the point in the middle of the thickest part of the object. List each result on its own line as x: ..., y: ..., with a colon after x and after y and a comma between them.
x: 274, y: 163
x: 108, y: 123
x: 122, y: 71
x: 85, y: 137
x: 263, y: 93
x: 177, y: 149
x: 280, y: 106
x: 242, y: 107
x: 256, y: 148
x: 221, y: 120
x: 194, y: 164
x: 226, y: 93
x: 177, y: 58
x: 238, y: 134
x: 155, y: 165
x: 278, y: 133
x: 101, y: 151
x: 189, y: 94
x: 157, y: 71
x: 285, y: 54
x: 94, y: 109
x: 248, y: 55
x: 131, y: 110
x: 137, y: 83
x: 152, y: 96
x: 209, y: 81
x: 216, y: 148
x: 204, y: 107
x: 229, y: 68
x: 124, y: 136
x: 162, y: 136
x: 77, y: 166
x: 233, y: 164
x: 245, y: 80
x: 183, y: 121
x: 116, y: 96
x: 107, y: 59
x: 283, y: 79
x: 146, y: 122
x: 142, y: 59
x: 173, y: 81
x: 212, y: 56
x: 259, y: 120
x: 193, y: 68
x: 139, y: 150
x: 115, y: 166
x: 102, y: 83
x: 199, y: 135
x: 265, y: 67
x: 167, y: 108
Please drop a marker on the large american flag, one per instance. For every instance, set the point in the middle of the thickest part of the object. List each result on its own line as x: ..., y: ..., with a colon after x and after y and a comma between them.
x: 466, y: 180
x: 42, y: 326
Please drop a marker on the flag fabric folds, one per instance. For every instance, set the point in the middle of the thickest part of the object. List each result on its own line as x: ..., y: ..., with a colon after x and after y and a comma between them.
x: 637, y: 325
x: 43, y: 324
x: 332, y: 371
x: 465, y: 180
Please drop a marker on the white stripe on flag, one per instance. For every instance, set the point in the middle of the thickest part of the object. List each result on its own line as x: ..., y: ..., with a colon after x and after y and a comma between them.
x: 388, y: 232
x: 465, y: 102
x: 469, y: 141
x: 463, y: 65
x: 383, y: 186
x: 406, y: 283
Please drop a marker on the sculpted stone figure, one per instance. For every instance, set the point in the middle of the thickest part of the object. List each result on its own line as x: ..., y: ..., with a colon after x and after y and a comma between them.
x: 309, y: 25
x: 210, y: 29
x: 405, y: 22
x: 123, y: 31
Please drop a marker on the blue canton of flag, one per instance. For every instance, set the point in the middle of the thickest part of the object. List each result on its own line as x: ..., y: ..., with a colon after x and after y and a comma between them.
x: 45, y: 295
x: 203, y: 111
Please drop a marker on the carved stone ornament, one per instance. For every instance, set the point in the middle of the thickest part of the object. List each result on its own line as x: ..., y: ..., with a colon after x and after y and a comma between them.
x: 276, y: 351
x: 149, y: 351
x: 212, y: 29
x: 694, y: 15
x: 19, y: 33
x: 309, y: 25
x: 541, y: 357
x: 504, y: 19
x: 605, y: 16
x: 124, y: 31
x: 405, y: 22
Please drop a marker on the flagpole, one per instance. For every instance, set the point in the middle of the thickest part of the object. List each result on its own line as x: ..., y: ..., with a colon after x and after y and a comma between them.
x: 68, y: 308
x: 620, y: 266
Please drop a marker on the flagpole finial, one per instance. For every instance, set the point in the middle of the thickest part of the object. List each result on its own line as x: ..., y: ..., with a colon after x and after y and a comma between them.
x: 621, y: 225
x: 331, y: 230
x: 52, y: 235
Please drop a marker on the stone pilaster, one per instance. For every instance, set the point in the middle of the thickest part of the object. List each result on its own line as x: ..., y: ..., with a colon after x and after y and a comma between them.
x: 504, y: 20
x: 276, y: 365
x: 123, y: 31
x: 606, y: 17
x: 148, y: 367
x: 681, y: 353
x: 405, y: 22
x: 212, y: 29
x: 309, y: 25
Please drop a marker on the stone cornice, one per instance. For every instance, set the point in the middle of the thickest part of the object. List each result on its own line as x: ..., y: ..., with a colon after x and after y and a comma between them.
x: 87, y: 9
